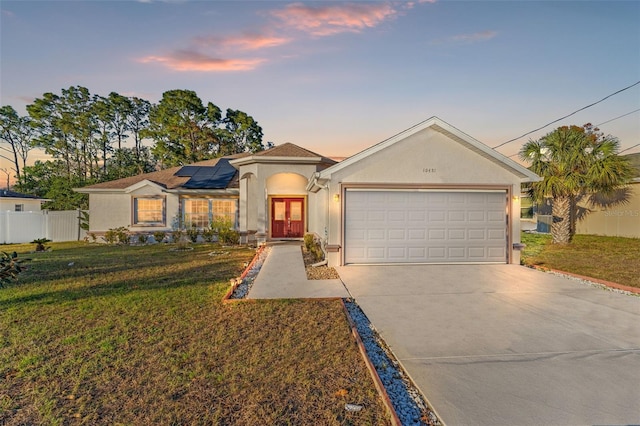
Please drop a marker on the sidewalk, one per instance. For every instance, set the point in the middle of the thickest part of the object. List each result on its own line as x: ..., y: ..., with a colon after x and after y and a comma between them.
x: 282, y: 276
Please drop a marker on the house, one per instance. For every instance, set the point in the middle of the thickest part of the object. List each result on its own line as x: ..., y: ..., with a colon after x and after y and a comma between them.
x: 17, y: 202
x: 430, y: 194
x: 622, y: 220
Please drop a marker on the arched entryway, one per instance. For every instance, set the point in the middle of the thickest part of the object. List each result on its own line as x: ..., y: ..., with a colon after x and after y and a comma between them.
x: 287, y: 205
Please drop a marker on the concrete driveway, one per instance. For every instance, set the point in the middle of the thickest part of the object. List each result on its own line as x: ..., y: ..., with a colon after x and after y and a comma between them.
x: 506, y: 345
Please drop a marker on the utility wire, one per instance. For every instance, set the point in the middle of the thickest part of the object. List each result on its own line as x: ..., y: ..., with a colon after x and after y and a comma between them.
x: 620, y: 116
x: 627, y: 149
x: 568, y: 115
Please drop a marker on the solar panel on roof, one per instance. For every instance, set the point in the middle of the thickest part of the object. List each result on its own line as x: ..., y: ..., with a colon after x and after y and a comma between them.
x: 212, y: 177
x: 187, y: 171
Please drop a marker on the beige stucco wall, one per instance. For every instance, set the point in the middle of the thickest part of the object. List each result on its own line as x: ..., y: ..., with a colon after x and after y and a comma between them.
x: 259, y: 181
x: 112, y: 210
x: 619, y: 221
x: 29, y: 204
x: 426, y: 158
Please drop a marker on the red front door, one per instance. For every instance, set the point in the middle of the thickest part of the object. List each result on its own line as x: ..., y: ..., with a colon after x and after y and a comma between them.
x: 287, y: 217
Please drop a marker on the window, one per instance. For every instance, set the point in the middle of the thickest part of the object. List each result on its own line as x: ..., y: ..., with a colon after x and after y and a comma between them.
x: 202, y: 211
x: 19, y: 207
x: 196, y: 213
x: 148, y: 211
x: 224, y: 209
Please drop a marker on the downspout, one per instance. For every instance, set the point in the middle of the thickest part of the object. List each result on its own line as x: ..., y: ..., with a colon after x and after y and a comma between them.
x: 326, y: 233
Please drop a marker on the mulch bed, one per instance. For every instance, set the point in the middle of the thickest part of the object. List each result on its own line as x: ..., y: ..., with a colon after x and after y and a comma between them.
x: 319, y: 272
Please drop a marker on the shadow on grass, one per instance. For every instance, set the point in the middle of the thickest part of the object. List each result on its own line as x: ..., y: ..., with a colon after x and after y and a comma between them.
x: 66, y: 278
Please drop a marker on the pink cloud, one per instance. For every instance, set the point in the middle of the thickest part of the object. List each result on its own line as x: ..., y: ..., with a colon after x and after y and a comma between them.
x: 243, y: 42
x: 470, y: 38
x: 185, y: 60
x: 335, y: 18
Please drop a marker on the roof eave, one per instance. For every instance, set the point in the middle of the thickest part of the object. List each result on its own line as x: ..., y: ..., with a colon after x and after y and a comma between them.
x: 265, y: 159
x: 445, y: 128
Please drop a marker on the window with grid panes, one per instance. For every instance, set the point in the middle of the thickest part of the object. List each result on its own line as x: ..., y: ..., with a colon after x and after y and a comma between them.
x: 148, y: 211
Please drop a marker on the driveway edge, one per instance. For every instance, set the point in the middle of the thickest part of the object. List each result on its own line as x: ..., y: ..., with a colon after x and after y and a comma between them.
x: 605, y: 283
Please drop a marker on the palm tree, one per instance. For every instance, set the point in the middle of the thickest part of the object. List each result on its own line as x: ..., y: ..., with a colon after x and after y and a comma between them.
x: 576, y: 162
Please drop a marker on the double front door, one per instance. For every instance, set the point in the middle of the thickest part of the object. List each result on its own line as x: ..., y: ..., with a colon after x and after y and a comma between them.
x: 287, y: 217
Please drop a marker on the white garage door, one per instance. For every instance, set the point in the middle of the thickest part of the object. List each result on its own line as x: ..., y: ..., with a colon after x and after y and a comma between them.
x: 425, y: 226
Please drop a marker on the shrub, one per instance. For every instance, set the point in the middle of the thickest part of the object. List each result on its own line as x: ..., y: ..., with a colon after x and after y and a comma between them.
x: 159, y: 236
x: 118, y: 235
x: 229, y: 236
x: 143, y: 238
x: 209, y: 234
x: 192, y: 233
x: 176, y: 235
x: 10, y: 267
x: 224, y: 229
x: 309, y: 240
x: 312, y: 245
x: 40, y: 242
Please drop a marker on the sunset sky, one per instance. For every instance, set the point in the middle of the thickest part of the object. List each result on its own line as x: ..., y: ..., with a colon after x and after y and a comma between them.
x: 336, y: 77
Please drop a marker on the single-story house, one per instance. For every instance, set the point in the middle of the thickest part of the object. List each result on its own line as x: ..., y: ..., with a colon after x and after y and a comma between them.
x: 17, y: 202
x: 621, y: 220
x: 430, y: 194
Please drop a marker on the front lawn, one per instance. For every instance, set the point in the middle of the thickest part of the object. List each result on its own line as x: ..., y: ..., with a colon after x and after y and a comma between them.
x: 137, y: 335
x: 614, y: 259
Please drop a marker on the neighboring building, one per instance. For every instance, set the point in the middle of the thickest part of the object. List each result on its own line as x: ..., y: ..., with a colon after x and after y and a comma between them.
x: 430, y: 194
x: 622, y: 220
x: 17, y: 202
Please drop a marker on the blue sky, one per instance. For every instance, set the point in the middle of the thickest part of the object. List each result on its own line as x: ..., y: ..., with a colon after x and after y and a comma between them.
x: 336, y: 77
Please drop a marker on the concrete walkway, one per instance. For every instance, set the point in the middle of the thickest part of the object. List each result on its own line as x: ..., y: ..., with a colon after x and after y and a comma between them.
x: 283, y: 276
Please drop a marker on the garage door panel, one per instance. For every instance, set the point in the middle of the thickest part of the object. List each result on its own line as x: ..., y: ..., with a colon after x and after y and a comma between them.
x: 456, y: 234
x: 416, y: 234
x: 424, y: 227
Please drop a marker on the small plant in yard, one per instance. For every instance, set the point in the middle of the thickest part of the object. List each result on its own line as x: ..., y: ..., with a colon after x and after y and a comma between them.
x: 209, y: 234
x: 224, y: 229
x: 192, y: 233
x: 159, y: 236
x: 40, y: 242
x: 143, y: 238
x: 177, y: 235
x: 118, y: 235
x: 309, y: 241
x: 10, y: 267
x: 313, y: 246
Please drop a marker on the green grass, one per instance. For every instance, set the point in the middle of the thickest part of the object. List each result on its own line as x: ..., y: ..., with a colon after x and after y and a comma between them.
x: 137, y: 335
x: 614, y: 259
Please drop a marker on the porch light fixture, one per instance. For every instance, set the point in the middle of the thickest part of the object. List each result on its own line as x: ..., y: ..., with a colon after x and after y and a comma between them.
x: 516, y: 198
x: 336, y: 198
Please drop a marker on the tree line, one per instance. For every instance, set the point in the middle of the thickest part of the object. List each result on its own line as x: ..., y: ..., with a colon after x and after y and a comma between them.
x: 85, y: 135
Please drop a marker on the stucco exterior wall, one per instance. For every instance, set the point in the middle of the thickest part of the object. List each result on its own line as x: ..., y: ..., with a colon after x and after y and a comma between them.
x: 427, y: 158
x: 109, y: 211
x: 262, y: 180
x: 29, y: 204
x: 112, y: 210
x: 618, y: 221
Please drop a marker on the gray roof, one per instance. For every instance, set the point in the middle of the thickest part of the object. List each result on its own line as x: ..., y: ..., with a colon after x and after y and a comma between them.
x: 6, y: 193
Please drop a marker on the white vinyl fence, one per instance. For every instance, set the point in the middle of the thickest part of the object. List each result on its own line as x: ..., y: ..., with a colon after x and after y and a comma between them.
x: 24, y: 227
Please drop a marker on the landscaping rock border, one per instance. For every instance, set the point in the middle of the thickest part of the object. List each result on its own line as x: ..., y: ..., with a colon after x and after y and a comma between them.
x: 408, y: 404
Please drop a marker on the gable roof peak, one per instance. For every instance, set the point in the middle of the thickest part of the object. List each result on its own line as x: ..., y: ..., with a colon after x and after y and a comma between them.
x: 286, y: 149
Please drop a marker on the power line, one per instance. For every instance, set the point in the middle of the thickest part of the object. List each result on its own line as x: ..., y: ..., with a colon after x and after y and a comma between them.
x: 627, y: 149
x: 620, y: 116
x: 568, y: 115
